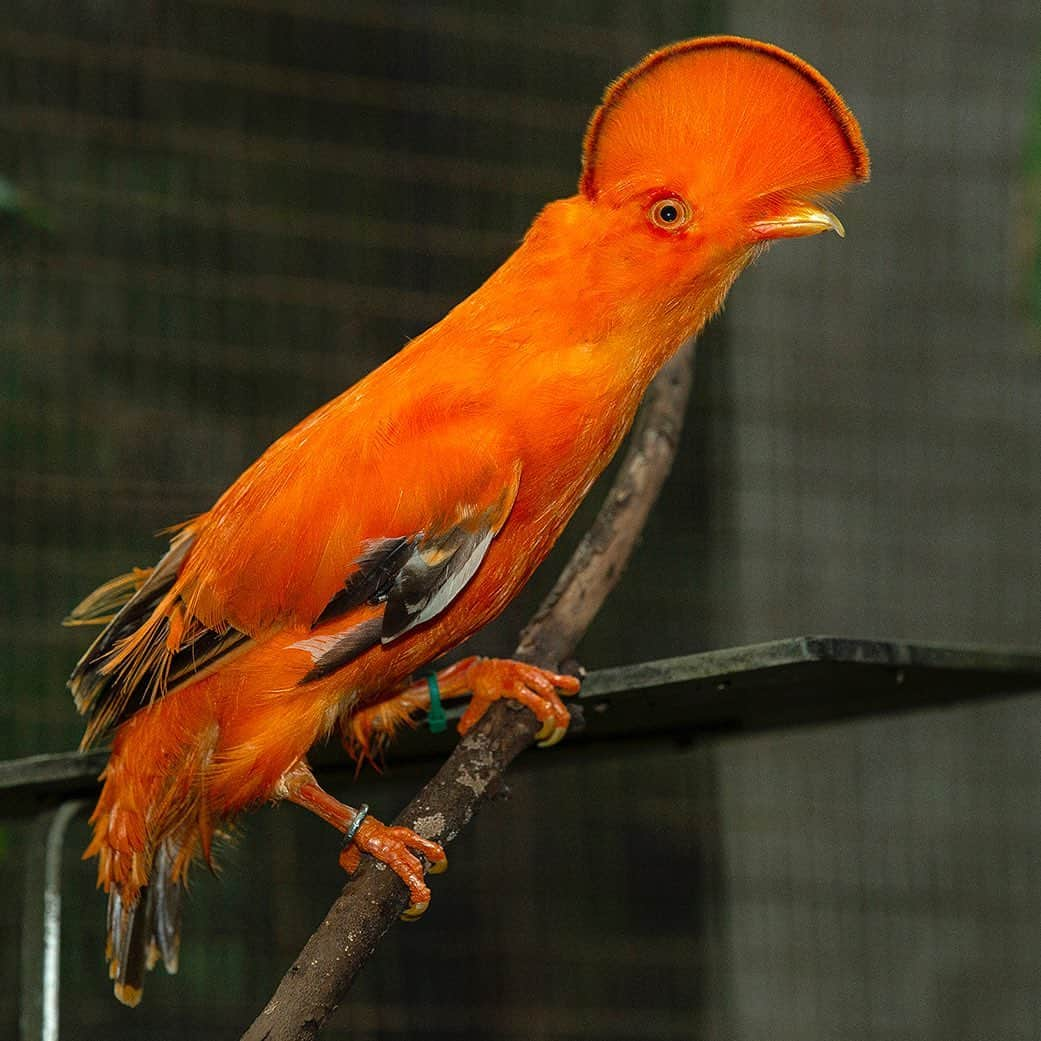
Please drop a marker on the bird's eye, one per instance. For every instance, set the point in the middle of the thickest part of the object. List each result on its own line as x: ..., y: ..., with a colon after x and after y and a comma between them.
x: 669, y: 214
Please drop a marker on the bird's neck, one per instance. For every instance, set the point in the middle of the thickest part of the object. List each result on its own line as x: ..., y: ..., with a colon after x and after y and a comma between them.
x: 560, y: 303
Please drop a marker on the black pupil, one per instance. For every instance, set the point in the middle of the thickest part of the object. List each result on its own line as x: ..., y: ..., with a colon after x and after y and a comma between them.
x: 668, y: 213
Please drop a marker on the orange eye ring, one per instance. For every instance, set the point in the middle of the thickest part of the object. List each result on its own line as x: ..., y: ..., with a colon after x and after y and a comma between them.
x: 670, y: 213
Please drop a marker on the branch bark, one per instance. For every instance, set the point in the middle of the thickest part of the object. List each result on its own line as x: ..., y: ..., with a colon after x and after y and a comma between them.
x: 371, y: 901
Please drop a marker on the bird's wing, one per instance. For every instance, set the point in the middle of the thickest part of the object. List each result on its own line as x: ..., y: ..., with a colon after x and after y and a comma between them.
x: 399, y: 516
x: 411, y: 580
x: 279, y: 544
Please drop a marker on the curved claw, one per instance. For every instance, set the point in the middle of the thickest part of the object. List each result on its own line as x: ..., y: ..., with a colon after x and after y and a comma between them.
x: 414, y: 912
x: 555, y: 738
x: 547, y: 730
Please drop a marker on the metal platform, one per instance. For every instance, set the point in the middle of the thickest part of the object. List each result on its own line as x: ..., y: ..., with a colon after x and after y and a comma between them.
x: 785, y: 683
x: 791, y: 682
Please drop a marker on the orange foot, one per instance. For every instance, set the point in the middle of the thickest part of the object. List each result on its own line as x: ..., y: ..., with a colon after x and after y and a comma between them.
x: 489, y: 679
x: 397, y: 847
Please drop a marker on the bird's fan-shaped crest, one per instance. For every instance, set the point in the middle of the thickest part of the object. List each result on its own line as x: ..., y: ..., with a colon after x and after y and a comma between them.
x: 723, y: 111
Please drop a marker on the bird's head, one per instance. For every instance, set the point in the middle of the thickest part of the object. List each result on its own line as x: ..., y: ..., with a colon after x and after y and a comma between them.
x: 698, y: 157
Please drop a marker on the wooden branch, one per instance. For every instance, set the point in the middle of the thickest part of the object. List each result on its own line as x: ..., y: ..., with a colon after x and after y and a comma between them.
x: 565, y: 615
x: 371, y: 901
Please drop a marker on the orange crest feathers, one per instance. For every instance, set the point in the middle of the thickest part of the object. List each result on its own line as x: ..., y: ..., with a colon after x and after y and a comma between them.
x: 723, y: 111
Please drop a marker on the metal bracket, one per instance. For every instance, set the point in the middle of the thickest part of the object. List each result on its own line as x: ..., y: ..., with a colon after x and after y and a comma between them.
x: 41, y: 923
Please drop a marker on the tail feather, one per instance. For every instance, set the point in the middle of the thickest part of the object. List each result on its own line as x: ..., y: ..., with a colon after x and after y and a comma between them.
x: 130, y: 651
x: 145, y: 929
x: 102, y: 606
x: 128, y: 925
x: 167, y: 930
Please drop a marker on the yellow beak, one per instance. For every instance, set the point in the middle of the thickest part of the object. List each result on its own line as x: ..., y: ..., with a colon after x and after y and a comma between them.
x: 797, y: 221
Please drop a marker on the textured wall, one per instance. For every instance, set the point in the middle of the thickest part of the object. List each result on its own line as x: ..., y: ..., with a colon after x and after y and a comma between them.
x: 882, y: 877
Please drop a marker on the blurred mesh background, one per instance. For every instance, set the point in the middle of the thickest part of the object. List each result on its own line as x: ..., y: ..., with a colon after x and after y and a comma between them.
x: 215, y: 214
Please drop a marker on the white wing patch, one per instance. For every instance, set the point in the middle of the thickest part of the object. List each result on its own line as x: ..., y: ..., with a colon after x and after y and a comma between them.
x: 316, y: 646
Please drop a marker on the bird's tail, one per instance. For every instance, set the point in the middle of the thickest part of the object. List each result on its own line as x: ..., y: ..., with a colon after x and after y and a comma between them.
x: 151, y: 821
x: 145, y: 927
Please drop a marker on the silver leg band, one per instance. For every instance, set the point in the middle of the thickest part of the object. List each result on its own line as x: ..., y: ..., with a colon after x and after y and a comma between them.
x: 352, y: 828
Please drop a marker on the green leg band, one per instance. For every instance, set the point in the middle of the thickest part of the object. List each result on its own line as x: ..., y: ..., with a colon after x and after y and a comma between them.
x: 436, y: 719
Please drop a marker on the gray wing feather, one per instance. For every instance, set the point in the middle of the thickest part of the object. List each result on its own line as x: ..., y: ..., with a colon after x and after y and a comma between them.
x: 432, y: 577
x: 415, y: 578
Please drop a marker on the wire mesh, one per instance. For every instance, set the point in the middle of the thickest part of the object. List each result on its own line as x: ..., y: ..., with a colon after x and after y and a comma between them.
x: 215, y: 214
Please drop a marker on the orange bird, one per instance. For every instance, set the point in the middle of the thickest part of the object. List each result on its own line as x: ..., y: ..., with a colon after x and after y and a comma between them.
x: 402, y: 516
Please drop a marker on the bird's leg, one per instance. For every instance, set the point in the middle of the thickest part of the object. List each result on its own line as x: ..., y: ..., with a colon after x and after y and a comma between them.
x: 486, y: 680
x: 399, y: 848
x: 365, y: 732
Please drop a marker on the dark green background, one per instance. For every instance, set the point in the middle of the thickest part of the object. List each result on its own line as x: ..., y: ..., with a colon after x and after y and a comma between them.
x: 216, y: 214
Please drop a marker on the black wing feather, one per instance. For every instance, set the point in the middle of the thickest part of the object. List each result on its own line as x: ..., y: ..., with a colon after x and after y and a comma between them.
x: 90, y: 685
x: 354, y: 642
x: 416, y: 577
x: 377, y: 569
x: 432, y: 576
